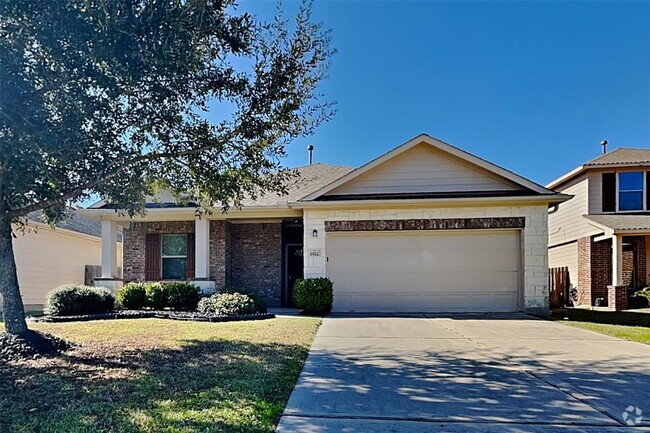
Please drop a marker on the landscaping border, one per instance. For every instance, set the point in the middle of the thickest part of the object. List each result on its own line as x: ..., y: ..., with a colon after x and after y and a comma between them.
x: 188, y: 316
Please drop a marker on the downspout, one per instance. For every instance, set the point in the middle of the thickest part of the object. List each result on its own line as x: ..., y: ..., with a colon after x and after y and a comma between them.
x: 554, y: 208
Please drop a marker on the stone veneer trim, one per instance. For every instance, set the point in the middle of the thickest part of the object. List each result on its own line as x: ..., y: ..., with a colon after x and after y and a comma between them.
x: 426, y: 224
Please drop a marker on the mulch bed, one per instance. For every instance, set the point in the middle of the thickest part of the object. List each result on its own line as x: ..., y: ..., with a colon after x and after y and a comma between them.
x: 192, y: 316
x: 32, y: 344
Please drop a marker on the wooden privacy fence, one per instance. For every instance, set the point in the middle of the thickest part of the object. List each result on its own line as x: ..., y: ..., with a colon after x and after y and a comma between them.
x: 558, y: 286
x: 92, y: 271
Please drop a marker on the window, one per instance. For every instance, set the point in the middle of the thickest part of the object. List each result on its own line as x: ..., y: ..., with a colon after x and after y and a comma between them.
x: 174, y: 257
x: 630, y: 191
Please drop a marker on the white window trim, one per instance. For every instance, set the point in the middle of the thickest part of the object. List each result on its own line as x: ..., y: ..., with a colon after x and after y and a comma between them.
x: 643, y: 192
x: 162, y: 256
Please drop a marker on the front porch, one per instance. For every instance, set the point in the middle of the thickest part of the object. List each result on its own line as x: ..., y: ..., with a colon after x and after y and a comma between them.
x: 261, y: 255
x: 618, y: 257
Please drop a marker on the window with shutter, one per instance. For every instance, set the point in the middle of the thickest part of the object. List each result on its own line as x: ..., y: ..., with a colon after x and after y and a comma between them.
x: 174, y: 256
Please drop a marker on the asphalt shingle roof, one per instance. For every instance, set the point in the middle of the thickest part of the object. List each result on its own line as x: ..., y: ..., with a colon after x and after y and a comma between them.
x: 622, y: 222
x: 74, y: 222
x: 622, y: 155
x: 312, y: 178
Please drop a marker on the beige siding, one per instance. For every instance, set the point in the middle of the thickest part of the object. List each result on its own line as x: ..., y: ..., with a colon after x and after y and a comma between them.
x: 565, y: 255
x: 423, y: 169
x: 567, y: 223
x: 48, y: 258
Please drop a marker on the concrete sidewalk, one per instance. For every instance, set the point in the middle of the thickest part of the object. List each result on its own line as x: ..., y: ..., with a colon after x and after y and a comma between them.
x: 463, y: 373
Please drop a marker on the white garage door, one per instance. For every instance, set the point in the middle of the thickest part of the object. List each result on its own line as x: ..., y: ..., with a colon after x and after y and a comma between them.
x: 437, y: 271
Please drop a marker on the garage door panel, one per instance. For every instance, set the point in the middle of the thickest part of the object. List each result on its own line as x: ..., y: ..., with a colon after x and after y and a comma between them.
x: 425, y: 271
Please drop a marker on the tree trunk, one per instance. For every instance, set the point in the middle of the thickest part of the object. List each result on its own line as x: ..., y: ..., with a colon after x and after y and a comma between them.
x: 12, y: 303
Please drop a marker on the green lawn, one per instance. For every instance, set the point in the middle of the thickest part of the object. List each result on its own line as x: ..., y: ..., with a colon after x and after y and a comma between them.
x: 152, y: 375
x: 628, y: 325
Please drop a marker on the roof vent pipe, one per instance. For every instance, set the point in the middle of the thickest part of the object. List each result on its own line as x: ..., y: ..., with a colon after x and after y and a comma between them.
x: 604, y: 144
x: 310, y: 148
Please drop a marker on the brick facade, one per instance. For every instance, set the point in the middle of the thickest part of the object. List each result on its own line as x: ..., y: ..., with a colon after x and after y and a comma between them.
x: 595, y: 267
x: 601, y: 268
x: 618, y: 298
x: 634, y: 262
x: 584, y: 271
x: 256, y: 259
x: 134, y: 244
x: 241, y: 255
x: 219, y: 250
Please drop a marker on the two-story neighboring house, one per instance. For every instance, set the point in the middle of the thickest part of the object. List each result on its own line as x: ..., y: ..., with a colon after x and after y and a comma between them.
x: 601, y: 234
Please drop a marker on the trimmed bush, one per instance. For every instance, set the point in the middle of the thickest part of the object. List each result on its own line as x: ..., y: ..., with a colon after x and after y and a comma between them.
x: 156, y: 296
x: 313, y: 295
x: 182, y: 296
x: 260, y: 302
x: 74, y: 299
x: 227, y: 304
x: 640, y: 298
x: 133, y: 296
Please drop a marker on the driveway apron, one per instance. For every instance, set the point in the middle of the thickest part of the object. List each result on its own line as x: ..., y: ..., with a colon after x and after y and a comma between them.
x: 457, y: 373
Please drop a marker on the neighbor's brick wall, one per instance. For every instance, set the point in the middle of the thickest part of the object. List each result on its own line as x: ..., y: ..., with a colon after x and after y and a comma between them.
x: 629, y: 258
x: 134, y: 244
x: 601, y: 268
x: 535, y: 240
x: 584, y: 271
x: 618, y: 298
x: 256, y: 259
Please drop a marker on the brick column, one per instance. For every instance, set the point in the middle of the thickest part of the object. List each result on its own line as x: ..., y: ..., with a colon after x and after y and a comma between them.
x: 617, y: 297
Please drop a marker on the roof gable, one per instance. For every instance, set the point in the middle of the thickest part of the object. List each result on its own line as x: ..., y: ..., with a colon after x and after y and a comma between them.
x: 427, y: 165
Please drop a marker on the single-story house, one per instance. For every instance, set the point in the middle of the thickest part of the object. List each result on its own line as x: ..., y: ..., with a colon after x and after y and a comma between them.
x: 48, y: 257
x: 601, y: 235
x: 424, y: 227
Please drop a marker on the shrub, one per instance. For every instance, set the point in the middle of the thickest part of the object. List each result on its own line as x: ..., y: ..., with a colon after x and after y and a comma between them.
x: 227, y: 304
x: 260, y: 302
x: 639, y: 302
x: 156, y: 296
x: 640, y: 299
x: 132, y: 296
x: 182, y: 296
x: 74, y: 299
x: 313, y: 295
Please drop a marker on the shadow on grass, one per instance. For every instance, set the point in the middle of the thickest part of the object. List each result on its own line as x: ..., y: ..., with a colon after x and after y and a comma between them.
x: 626, y: 318
x: 204, y: 386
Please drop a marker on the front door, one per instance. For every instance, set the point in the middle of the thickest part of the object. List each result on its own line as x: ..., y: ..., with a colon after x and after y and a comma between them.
x: 294, y: 263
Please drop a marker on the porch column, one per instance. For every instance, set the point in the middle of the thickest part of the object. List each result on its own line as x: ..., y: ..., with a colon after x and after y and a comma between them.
x: 202, y: 255
x: 202, y: 248
x: 617, y: 260
x: 109, y: 249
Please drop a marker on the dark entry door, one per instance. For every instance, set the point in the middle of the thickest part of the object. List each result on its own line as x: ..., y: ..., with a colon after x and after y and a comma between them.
x: 294, y: 263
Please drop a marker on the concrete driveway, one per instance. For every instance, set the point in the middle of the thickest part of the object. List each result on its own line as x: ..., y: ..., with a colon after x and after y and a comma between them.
x: 481, y: 373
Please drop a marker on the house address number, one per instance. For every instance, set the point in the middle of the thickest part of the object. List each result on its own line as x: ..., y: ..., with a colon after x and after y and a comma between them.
x: 314, y: 253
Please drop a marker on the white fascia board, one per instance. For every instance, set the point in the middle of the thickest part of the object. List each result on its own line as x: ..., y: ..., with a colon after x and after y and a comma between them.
x: 435, y: 202
x: 181, y: 214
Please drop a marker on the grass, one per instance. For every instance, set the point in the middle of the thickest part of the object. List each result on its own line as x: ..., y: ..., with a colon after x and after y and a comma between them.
x: 626, y: 324
x: 152, y: 375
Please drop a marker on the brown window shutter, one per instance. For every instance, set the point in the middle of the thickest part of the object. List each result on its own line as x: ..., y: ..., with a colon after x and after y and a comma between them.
x: 190, y: 256
x: 609, y: 192
x: 152, y: 257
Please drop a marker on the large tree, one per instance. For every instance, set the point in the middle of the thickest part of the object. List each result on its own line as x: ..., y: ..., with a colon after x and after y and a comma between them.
x: 110, y: 98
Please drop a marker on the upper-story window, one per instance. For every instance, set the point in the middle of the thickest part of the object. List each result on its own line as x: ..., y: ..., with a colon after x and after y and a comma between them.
x: 625, y: 191
x: 630, y: 190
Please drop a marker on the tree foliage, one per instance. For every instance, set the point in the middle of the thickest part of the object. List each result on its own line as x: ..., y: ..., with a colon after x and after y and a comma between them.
x: 111, y: 98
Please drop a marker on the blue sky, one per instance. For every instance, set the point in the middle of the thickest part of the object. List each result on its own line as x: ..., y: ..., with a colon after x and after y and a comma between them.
x: 531, y: 86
